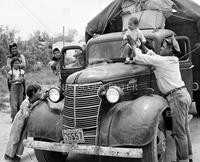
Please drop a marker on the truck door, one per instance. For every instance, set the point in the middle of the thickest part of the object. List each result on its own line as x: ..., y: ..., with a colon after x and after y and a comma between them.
x: 186, y: 65
x: 72, y: 59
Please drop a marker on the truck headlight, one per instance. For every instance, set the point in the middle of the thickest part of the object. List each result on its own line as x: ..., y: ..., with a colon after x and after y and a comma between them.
x: 54, y: 94
x: 113, y: 94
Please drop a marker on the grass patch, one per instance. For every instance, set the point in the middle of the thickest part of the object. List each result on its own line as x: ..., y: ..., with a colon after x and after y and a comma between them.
x: 45, y: 78
x: 4, y: 107
x: 42, y: 77
x: 3, y: 85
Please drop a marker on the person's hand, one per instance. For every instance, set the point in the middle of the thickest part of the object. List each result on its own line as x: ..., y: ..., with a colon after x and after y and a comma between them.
x: 20, y: 79
x: 44, y: 95
x: 125, y: 38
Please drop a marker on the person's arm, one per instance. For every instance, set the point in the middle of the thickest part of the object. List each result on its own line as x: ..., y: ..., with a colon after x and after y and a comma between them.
x: 126, y: 35
x: 10, y: 80
x: 23, y: 61
x: 8, y: 67
x: 141, y: 37
x: 22, y: 76
x: 149, y: 59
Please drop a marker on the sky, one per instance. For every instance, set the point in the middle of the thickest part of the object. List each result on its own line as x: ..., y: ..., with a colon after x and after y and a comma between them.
x: 27, y: 16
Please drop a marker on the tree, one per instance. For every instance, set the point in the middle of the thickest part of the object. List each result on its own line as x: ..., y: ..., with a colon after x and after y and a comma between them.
x: 35, y: 49
x: 7, y: 36
x: 69, y: 37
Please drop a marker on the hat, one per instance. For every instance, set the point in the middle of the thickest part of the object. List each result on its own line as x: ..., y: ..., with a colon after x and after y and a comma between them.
x: 12, y: 45
x: 55, y: 49
x: 174, y: 43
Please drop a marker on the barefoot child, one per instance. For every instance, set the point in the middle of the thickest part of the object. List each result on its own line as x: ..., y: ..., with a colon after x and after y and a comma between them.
x: 134, y: 38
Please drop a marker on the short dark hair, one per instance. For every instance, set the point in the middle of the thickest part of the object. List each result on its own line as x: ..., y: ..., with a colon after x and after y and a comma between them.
x: 55, y: 49
x: 134, y: 20
x: 13, y: 60
x: 11, y: 46
x: 33, y: 88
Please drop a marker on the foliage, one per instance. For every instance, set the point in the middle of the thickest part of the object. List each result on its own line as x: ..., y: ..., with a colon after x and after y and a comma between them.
x: 35, y: 49
x: 43, y: 77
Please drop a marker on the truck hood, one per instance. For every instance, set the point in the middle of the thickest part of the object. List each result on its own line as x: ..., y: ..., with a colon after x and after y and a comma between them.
x: 106, y: 72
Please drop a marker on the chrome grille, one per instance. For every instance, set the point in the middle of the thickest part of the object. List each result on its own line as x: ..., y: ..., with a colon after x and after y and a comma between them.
x: 81, y: 109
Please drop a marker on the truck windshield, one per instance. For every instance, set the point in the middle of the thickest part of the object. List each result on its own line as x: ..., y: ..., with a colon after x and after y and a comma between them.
x: 107, y: 51
x: 104, y: 51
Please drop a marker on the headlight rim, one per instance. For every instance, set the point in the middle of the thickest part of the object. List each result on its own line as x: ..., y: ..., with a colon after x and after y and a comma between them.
x: 118, y: 90
x: 58, y: 90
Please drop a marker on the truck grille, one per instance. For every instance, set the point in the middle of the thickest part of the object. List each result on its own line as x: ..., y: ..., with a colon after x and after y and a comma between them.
x: 81, y: 109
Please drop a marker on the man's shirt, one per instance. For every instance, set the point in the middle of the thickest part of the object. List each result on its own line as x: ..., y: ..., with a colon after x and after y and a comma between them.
x: 167, y: 70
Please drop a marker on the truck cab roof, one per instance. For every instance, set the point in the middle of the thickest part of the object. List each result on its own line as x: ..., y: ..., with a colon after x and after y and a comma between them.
x: 155, y: 34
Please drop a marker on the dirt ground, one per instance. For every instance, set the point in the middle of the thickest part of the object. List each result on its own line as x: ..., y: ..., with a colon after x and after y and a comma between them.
x: 5, y: 125
x: 28, y: 155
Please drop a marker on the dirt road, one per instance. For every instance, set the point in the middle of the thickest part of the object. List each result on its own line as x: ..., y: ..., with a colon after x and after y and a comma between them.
x: 5, y: 125
x: 28, y: 156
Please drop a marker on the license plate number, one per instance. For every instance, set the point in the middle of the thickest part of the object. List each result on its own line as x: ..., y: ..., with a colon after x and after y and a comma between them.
x: 73, y: 136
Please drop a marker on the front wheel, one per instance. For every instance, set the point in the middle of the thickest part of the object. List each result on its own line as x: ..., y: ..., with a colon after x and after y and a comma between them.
x: 49, y: 156
x: 155, y: 151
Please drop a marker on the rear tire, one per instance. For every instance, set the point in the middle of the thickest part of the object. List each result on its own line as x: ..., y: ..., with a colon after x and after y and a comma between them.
x: 49, y: 156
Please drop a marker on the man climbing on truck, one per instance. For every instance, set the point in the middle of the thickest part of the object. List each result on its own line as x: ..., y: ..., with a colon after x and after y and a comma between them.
x: 171, y: 85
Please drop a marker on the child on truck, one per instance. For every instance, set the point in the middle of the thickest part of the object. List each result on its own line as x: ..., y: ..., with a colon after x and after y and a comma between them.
x: 134, y: 38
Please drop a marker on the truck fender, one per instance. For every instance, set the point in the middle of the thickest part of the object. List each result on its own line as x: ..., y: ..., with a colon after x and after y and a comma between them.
x: 45, y: 121
x: 132, y: 123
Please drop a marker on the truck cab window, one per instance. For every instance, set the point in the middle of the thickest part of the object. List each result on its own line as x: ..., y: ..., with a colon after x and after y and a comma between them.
x: 73, y: 58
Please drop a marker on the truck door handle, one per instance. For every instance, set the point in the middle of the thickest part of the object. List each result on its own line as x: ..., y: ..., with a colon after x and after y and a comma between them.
x: 191, y: 67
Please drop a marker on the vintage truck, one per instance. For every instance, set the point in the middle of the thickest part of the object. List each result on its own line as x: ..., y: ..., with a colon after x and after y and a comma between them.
x: 107, y: 108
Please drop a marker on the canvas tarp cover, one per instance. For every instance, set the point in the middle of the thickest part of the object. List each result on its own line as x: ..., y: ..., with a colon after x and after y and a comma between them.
x: 98, y: 24
x: 191, y: 8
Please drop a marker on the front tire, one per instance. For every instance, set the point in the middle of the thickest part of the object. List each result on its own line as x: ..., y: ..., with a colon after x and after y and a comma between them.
x: 49, y: 156
x: 155, y: 151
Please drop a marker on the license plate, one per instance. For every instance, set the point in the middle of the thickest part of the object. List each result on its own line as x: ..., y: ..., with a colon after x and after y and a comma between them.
x: 73, y: 136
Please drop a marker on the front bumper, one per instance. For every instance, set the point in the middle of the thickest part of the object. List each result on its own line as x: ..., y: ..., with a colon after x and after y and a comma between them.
x: 85, y: 149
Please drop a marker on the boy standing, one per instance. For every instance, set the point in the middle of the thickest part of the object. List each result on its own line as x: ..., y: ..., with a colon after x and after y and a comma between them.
x: 16, y: 80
